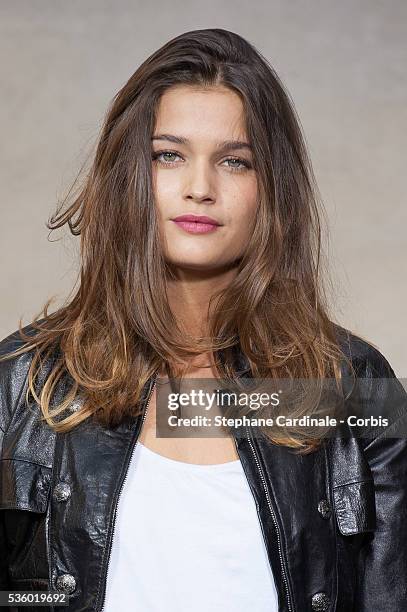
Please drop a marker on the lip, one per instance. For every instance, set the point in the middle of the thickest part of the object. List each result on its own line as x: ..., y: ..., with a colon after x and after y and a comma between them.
x: 196, y: 224
x: 196, y: 219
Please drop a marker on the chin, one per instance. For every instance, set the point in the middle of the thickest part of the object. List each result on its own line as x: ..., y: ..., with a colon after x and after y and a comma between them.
x: 202, y: 265
x: 192, y: 264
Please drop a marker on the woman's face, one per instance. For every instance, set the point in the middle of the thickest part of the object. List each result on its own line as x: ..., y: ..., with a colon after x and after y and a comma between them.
x: 203, y: 166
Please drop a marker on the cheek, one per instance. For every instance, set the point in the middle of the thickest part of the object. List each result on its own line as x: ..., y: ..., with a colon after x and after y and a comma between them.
x: 165, y: 188
x: 243, y: 207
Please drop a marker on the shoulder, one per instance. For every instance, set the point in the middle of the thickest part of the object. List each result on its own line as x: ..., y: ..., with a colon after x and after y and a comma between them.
x: 13, y: 372
x: 373, y: 389
x: 13, y: 341
x: 366, y: 358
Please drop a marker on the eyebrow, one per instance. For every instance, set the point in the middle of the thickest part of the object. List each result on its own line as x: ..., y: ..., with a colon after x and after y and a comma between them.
x: 226, y: 145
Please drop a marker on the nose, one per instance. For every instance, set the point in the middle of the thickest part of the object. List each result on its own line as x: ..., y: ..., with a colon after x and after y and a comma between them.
x: 200, y: 183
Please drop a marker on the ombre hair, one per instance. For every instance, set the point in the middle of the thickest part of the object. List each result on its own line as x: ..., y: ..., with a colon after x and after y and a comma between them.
x: 116, y: 329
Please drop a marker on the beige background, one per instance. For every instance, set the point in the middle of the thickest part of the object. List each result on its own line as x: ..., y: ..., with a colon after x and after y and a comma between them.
x: 344, y: 64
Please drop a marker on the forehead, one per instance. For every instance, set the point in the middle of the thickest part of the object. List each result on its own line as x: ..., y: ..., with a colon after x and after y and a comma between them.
x: 210, y: 113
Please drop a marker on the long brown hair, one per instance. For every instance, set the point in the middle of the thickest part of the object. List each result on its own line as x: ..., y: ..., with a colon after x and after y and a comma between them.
x: 117, y: 329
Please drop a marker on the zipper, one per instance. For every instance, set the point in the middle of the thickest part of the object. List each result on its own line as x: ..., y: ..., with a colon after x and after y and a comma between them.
x: 263, y: 480
x: 273, y: 516
x: 48, y: 533
x: 134, y: 441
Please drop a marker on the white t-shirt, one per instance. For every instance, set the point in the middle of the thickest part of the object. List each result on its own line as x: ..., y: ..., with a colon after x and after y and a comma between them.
x: 187, y: 538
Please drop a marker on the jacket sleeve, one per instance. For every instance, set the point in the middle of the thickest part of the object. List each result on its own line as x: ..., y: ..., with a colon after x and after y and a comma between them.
x: 4, y: 584
x: 3, y: 421
x: 382, y: 571
x: 12, y: 378
x: 4, y: 417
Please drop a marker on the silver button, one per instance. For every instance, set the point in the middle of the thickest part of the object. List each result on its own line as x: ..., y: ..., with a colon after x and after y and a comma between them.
x: 324, y: 508
x: 62, y: 492
x: 66, y: 583
x: 320, y: 602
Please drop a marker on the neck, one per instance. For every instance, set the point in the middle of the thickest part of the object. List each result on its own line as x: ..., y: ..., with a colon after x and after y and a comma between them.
x: 190, y: 293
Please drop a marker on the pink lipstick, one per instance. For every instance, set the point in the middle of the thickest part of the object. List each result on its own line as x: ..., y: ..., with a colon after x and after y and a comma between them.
x: 196, y: 224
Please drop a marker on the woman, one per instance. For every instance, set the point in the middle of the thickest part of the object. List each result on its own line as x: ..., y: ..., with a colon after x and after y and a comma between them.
x: 200, y: 258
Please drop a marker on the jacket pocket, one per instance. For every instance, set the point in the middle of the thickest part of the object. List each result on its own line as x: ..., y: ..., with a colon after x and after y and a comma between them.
x: 24, y: 499
x: 355, y: 507
x: 24, y: 485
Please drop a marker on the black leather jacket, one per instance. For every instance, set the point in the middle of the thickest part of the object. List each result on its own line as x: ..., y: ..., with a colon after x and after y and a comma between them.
x: 334, y: 521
